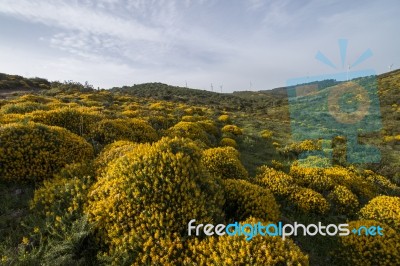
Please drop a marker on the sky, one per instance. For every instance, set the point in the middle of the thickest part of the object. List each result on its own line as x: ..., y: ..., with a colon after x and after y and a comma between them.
x: 205, y: 44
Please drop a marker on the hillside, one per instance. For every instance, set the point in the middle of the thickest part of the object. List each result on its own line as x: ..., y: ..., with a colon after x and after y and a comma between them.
x: 82, y: 169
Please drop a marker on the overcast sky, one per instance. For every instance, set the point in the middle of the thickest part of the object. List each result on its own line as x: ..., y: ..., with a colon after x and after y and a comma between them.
x: 240, y: 45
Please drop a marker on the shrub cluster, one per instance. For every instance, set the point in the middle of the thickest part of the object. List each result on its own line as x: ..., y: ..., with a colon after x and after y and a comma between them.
x: 32, y: 152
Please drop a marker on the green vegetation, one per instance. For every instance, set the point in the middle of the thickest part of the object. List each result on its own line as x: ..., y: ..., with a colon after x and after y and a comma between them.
x: 112, y: 177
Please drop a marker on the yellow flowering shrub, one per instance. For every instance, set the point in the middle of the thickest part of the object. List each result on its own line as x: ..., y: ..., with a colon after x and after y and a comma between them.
x: 280, y: 183
x: 308, y: 200
x: 303, y: 146
x: 243, y: 199
x: 111, y: 152
x: 228, y: 142
x: 236, y: 250
x: 235, y: 130
x: 224, y: 162
x: 277, y: 165
x: 22, y: 107
x: 343, y: 201
x: 34, y: 151
x: 209, y: 127
x: 381, y: 183
x: 148, y: 194
x: 61, y: 198
x: 368, y: 250
x: 224, y: 119
x: 385, y: 209
x: 313, y: 178
x: 266, y: 134
x: 190, y: 130
x: 109, y: 130
x: 358, y: 184
x: 76, y: 120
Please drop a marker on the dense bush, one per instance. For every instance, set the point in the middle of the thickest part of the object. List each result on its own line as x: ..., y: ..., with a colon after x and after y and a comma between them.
x: 243, y: 199
x: 76, y: 120
x: 369, y: 250
x: 111, y: 152
x: 236, y: 250
x: 22, y: 107
x: 34, y: 151
x: 308, y: 201
x: 280, y: 183
x: 235, y: 130
x: 384, y: 209
x: 147, y: 195
x: 190, y: 130
x: 228, y: 142
x: 224, y: 162
x: 343, y: 201
x: 109, y: 130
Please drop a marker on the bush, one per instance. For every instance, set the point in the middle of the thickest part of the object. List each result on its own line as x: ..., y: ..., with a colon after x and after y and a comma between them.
x: 236, y: 250
x: 109, y: 130
x: 22, y: 107
x: 224, y: 119
x: 266, y: 134
x: 34, y: 151
x: 76, y: 120
x: 228, y: 142
x: 112, y: 152
x: 313, y: 178
x: 280, y: 183
x: 235, y: 130
x: 146, y: 196
x: 308, y: 201
x: 190, y: 130
x: 224, y: 162
x: 343, y: 201
x: 368, y: 250
x: 384, y: 209
x: 244, y: 199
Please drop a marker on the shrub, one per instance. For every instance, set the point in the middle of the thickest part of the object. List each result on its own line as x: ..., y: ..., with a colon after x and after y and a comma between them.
x: 313, y: 178
x: 236, y: 250
x: 224, y: 119
x: 266, y: 134
x: 235, y: 130
x: 112, y: 152
x: 343, y: 201
x: 136, y: 130
x: 280, y: 183
x: 190, y: 130
x: 146, y: 195
x: 381, y: 183
x: 224, y: 162
x: 22, y: 107
x: 384, y: 209
x: 34, y: 151
x: 368, y: 250
x: 244, y: 199
x: 308, y: 201
x: 76, y: 120
x: 228, y: 142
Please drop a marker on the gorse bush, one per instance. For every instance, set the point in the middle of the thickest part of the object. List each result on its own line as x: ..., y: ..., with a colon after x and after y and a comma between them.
x: 228, y: 142
x: 76, y: 120
x: 309, y: 201
x: 343, y: 201
x: 384, y: 209
x: 235, y: 130
x: 109, y: 130
x: 33, y: 152
x: 243, y: 199
x: 145, y: 196
x: 236, y: 250
x: 22, y: 107
x: 369, y: 250
x: 190, y: 130
x: 112, y: 152
x: 280, y: 183
x: 224, y: 162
